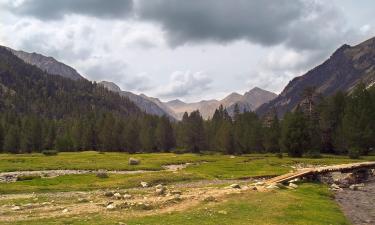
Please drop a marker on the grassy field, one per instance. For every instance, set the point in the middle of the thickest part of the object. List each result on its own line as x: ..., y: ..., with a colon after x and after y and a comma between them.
x: 206, y: 167
x: 309, y: 204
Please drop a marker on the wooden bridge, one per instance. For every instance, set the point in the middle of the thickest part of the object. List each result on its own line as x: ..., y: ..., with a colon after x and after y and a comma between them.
x: 344, y: 168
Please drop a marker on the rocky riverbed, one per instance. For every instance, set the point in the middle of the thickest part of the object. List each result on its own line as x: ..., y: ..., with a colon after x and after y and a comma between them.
x: 358, y: 203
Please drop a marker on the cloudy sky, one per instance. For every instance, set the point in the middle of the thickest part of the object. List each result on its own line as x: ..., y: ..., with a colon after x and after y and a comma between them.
x: 189, y: 50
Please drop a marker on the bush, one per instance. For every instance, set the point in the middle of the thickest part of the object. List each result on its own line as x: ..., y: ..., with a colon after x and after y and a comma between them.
x: 354, y: 153
x: 50, y: 152
x: 27, y: 177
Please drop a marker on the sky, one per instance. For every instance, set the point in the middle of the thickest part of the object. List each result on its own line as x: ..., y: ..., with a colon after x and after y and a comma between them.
x: 188, y: 50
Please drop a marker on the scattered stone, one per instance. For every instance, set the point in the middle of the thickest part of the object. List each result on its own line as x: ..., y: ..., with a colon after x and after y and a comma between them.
x: 111, y: 206
x: 16, y: 208
x: 254, y: 188
x: 108, y: 194
x: 65, y: 211
x: 143, y: 206
x: 336, y: 187
x: 144, y: 184
x: 235, y: 186
x: 232, y: 157
x: 121, y: 223
x: 83, y: 200
x: 293, y: 185
x: 133, y: 161
x: 117, y: 195
x: 356, y: 187
x: 160, y: 189
x: 127, y: 196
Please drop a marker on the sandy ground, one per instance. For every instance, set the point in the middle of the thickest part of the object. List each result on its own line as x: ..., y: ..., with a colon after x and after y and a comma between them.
x: 139, y: 201
x: 359, y: 206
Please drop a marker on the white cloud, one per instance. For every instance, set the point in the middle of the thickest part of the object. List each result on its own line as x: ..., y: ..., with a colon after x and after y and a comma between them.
x: 185, y: 83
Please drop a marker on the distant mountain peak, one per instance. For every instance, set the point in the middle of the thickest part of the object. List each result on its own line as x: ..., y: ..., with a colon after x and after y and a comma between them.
x: 247, y: 102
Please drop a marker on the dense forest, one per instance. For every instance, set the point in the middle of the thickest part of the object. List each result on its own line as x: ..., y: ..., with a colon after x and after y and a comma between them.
x: 340, y: 124
x: 39, y: 111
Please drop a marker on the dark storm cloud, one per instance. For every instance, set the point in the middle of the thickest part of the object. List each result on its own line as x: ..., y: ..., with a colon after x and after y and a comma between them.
x: 222, y: 21
x: 57, y: 9
x: 299, y: 24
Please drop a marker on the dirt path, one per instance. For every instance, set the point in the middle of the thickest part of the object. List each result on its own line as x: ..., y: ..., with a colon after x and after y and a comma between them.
x: 359, y: 206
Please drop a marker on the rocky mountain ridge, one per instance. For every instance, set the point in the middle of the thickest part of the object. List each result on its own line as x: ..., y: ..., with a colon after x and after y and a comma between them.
x: 346, y: 67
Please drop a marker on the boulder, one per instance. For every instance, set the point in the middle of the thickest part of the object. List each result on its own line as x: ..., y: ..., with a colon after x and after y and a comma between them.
x: 65, y: 211
x: 293, y: 185
x: 133, y: 161
x: 102, y: 174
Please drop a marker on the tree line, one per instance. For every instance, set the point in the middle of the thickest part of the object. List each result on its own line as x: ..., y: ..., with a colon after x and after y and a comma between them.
x: 339, y: 124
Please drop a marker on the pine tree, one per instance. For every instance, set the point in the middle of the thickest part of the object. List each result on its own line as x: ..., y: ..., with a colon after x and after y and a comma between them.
x: 11, y: 140
x: 272, y: 136
x: 358, y: 120
x: 295, y: 136
x: 164, y: 134
x: 1, y: 137
x: 195, y: 134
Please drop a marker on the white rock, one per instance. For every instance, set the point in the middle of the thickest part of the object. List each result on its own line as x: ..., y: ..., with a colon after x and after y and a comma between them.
x: 65, y: 211
x: 111, y: 206
x: 293, y: 185
x: 144, y: 184
x: 127, y: 196
x: 117, y: 195
x: 16, y: 208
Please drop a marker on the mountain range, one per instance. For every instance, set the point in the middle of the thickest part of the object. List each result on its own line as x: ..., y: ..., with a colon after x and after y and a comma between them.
x: 346, y: 67
x: 249, y: 101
